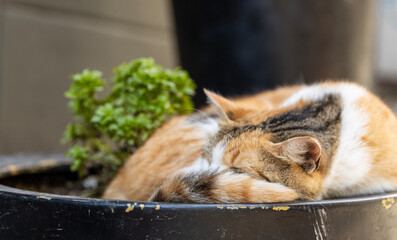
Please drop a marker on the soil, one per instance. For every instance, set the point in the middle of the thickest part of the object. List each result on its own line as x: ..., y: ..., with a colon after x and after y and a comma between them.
x: 58, y: 182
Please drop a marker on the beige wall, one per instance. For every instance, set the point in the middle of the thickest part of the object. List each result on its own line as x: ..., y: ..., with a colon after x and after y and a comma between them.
x: 43, y: 42
x: 387, y: 41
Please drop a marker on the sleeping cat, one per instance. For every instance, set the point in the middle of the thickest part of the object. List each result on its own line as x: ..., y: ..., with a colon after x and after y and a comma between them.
x: 325, y: 140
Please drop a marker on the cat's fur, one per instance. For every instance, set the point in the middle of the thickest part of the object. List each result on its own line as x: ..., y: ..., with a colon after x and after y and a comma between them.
x: 312, y: 142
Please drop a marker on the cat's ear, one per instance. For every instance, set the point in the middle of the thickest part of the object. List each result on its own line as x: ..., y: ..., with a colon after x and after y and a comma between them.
x: 226, y: 108
x: 305, y: 151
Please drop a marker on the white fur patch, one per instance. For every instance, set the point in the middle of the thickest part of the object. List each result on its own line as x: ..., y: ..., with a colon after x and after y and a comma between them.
x: 374, y: 185
x: 217, y: 155
x: 197, y: 166
x: 352, y: 160
x: 315, y: 92
x: 209, y: 126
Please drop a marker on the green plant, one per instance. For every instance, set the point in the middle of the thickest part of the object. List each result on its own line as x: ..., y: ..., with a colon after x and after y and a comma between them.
x: 106, y: 131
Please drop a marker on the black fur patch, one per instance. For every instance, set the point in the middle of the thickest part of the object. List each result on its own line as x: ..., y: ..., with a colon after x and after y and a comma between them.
x: 319, y: 119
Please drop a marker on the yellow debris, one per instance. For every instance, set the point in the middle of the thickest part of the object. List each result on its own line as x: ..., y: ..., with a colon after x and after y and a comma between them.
x: 280, y: 208
x: 44, y: 197
x: 130, y: 207
x: 388, y: 202
x: 232, y: 208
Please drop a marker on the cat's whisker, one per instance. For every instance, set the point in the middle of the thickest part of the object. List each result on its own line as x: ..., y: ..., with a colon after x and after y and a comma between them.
x: 316, y: 200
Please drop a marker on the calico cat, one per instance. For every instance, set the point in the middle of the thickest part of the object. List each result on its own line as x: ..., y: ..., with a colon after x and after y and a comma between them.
x: 325, y: 140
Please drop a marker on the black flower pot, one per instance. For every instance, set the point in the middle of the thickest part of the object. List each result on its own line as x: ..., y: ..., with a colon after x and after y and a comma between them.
x: 37, y: 215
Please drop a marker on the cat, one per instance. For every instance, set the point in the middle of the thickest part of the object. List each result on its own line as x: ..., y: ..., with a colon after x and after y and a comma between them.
x: 303, y: 142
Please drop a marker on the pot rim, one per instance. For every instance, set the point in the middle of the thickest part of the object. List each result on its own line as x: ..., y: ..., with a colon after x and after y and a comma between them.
x: 386, y: 199
x: 34, y: 163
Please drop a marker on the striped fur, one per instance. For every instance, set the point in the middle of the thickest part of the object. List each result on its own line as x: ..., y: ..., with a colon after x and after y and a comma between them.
x: 302, y: 142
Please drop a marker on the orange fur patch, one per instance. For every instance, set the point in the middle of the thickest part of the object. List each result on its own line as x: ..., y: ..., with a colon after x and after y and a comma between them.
x: 162, y: 155
x: 381, y: 137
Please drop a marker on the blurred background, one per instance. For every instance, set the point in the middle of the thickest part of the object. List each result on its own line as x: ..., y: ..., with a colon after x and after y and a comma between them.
x: 234, y: 47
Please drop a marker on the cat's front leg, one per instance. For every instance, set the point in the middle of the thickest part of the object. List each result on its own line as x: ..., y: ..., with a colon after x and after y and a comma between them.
x: 211, y: 185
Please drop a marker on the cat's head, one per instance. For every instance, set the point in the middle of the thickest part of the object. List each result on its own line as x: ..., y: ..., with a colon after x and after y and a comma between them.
x: 243, y: 144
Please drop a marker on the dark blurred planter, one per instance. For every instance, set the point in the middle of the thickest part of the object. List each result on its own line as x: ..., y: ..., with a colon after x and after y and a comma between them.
x: 244, y: 46
x: 34, y: 215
